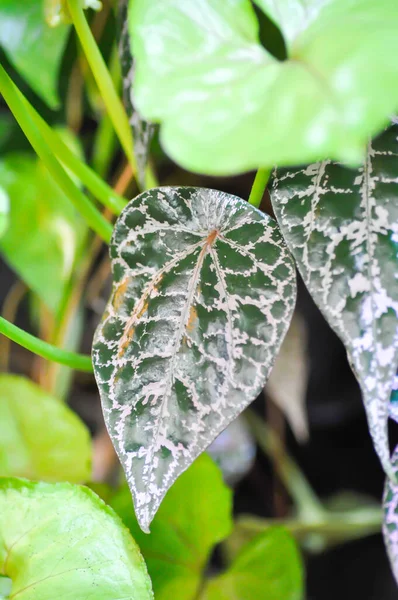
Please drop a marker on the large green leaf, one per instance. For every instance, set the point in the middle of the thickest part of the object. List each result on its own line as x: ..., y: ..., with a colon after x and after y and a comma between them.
x: 40, y: 437
x: 34, y: 48
x: 142, y: 130
x: 227, y: 105
x: 4, y: 211
x: 268, y: 568
x: 342, y: 228
x: 61, y: 540
x: 44, y: 231
x: 204, y: 290
x: 194, y: 516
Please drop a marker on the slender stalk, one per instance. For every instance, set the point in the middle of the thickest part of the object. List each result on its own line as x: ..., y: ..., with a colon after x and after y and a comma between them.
x: 307, y: 503
x: 104, y: 81
x: 9, y: 310
x: 259, y: 187
x: 79, y: 362
x: 87, y: 176
x: 93, y: 217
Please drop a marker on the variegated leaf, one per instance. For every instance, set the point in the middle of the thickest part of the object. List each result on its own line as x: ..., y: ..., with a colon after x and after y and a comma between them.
x: 390, y: 520
x: 142, y: 130
x: 342, y: 228
x: 204, y: 290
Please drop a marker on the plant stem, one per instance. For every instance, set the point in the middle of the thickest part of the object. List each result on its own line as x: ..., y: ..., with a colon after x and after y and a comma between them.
x: 307, y: 503
x: 87, y: 176
x: 9, y: 310
x: 93, y: 217
x: 104, y: 81
x: 79, y: 362
x: 259, y: 186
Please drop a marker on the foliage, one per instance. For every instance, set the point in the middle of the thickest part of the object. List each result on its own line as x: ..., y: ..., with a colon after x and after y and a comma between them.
x: 204, y: 284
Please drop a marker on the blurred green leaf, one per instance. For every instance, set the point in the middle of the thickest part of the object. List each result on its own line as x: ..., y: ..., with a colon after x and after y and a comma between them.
x: 74, y: 546
x: 194, y: 516
x: 268, y: 568
x: 34, y: 48
x: 40, y: 437
x: 4, y: 211
x: 45, y: 231
x: 227, y: 105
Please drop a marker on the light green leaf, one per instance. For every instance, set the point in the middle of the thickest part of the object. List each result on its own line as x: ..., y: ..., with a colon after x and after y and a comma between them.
x: 203, y: 294
x: 40, y: 437
x: 342, y: 228
x: 62, y: 541
x: 226, y: 105
x: 194, y: 516
x: 4, y: 211
x: 268, y: 568
x: 34, y: 48
x: 45, y: 231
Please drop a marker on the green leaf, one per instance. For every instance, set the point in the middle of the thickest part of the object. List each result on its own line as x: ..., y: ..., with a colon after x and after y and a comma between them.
x: 34, y: 48
x: 4, y: 211
x: 342, y: 228
x: 194, y: 516
x: 203, y: 294
x: 268, y: 568
x: 390, y: 517
x: 227, y: 105
x: 45, y: 231
x: 40, y: 437
x: 142, y: 130
x: 61, y: 540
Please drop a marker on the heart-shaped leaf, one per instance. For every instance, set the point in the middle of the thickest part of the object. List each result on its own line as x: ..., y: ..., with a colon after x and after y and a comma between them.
x: 390, y: 521
x: 195, y: 515
x: 142, y: 130
x: 61, y: 540
x: 342, y: 228
x: 227, y: 105
x: 204, y: 290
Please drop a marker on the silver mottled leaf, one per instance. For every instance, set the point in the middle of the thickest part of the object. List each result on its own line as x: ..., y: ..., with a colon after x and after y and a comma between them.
x: 342, y: 228
x: 204, y: 290
x: 390, y: 520
x: 142, y: 130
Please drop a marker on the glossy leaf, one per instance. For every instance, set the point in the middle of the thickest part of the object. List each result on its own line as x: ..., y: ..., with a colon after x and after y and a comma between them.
x: 4, y: 211
x: 390, y: 520
x: 194, y: 516
x: 40, y: 437
x: 204, y: 290
x: 227, y: 105
x: 342, y: 228
x: 45, y: 232
x: 34, y: 48
x: 142, y: 130
x: 268, y: 568
x: 61, y: 540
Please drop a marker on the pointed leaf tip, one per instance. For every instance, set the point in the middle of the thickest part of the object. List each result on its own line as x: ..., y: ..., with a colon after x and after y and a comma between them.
x: 204, y: 290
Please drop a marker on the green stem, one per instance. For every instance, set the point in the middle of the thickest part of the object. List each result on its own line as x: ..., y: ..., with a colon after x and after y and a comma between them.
x: 259, y: 186
x: 79, y: 362
x: 104, y: 81
x: 93, y: 217
x: 104, y: 193
x: 307, y: 503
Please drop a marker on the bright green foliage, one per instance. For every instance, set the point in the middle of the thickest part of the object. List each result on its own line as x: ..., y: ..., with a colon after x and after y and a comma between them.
x: 341, y: 227
x: 44, y: 233
x: 194, y: 516
x: 226, y: 105
x: 40, y: 437
x: 34, y: 48
x: 268, y: 568
x: 203, y: 294
x: 4, y: 211
x: 62, y: 541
